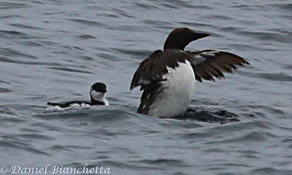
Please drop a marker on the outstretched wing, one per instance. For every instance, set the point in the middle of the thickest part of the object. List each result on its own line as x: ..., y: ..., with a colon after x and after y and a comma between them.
x: 208, y: 64
x: 155, y: 66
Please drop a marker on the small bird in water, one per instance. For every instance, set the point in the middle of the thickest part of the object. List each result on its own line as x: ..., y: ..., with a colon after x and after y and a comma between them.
x: 97, y: 95
x: 167, y: 77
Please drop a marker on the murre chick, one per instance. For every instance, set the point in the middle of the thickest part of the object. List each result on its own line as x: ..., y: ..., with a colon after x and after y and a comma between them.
x: 168, y: 77
x: 97, y: 95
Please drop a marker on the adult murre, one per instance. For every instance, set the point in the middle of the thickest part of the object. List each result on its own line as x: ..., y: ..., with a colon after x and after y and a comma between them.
x: 97, y: 95
x: 167, y: 78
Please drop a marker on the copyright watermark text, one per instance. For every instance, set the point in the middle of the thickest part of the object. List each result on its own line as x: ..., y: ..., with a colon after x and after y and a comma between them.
x: 54, y: 169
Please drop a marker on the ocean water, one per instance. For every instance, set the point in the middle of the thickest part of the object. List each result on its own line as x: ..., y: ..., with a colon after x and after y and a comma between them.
x: 55, y: 50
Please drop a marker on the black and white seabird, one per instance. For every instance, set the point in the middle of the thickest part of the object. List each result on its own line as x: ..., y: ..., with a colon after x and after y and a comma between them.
x: 97, y: 95
x: 167, y: 77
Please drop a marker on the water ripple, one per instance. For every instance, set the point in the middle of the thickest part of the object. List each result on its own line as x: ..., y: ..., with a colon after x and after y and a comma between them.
x: 10, y: 146
x: 54, y: 50
x: 12, y: 5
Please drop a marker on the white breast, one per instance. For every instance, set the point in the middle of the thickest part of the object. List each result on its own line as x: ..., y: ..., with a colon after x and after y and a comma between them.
x: 177, y: 92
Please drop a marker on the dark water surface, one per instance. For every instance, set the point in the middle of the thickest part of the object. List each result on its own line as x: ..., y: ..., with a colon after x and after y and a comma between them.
x: 55, y: 50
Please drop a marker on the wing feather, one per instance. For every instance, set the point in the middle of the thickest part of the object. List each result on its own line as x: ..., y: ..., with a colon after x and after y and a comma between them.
x: 150, y: 74
x: 155, y: 66
x: 210, y: 63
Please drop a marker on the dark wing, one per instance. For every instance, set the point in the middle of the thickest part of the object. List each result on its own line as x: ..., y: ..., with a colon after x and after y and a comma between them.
x: 67, y: 104
x: 150, y: 93
x: 155, y: 66
x: 149, y: 74
x: 208, y: 64
x: 61, y: 105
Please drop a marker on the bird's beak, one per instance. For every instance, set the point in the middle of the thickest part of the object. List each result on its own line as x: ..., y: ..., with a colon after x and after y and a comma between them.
x: 200, y: 35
